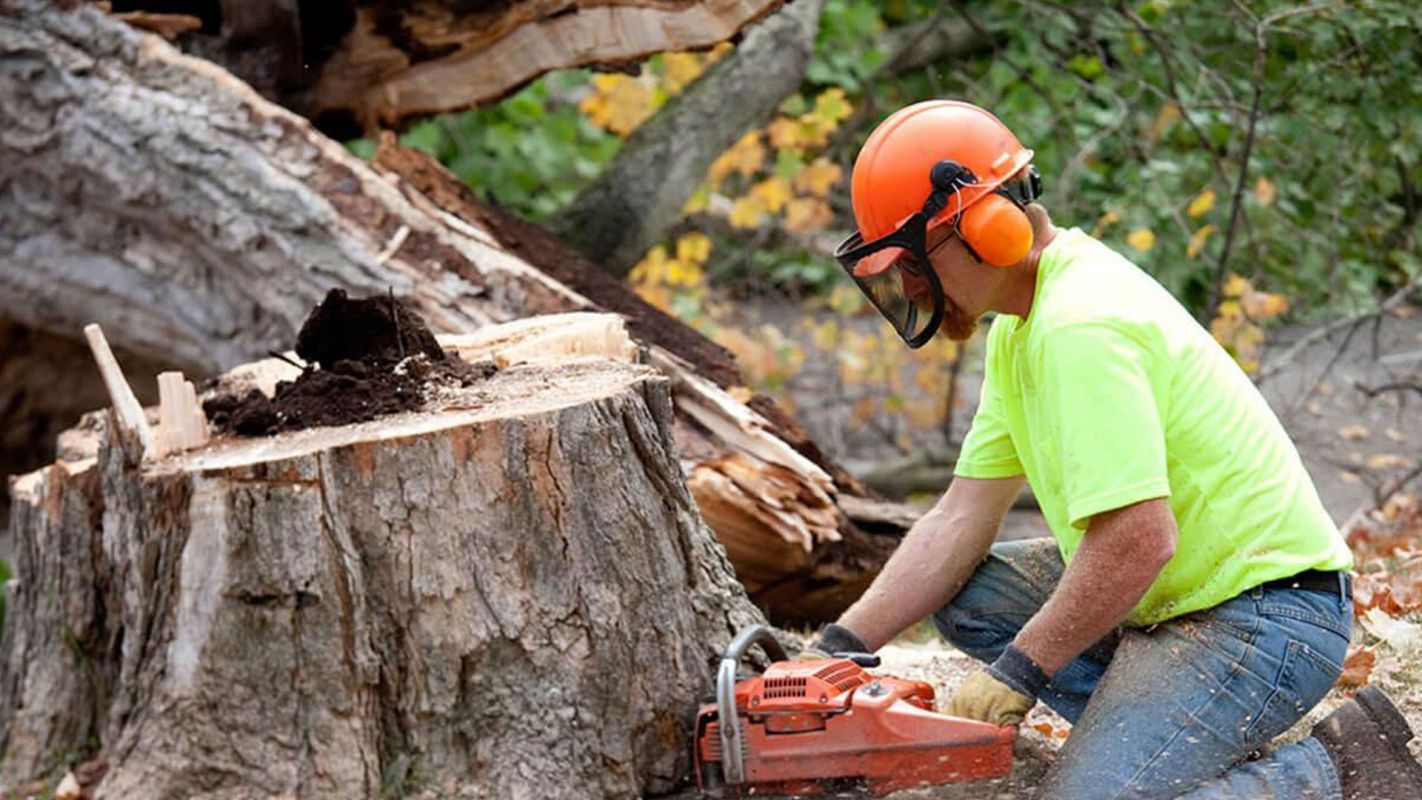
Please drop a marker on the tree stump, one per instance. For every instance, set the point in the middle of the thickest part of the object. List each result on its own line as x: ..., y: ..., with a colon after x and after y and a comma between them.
x: 510, y: 595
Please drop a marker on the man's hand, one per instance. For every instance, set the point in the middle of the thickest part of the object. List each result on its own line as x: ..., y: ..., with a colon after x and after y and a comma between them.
x: 983, y: 697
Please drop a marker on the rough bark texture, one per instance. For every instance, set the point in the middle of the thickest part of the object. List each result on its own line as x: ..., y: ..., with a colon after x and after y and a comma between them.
x: 512, y: 596
x: 638, y: 197
x: 198, y: 223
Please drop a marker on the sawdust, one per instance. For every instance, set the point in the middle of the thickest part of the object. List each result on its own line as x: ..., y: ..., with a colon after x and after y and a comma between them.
x: 366, y: 358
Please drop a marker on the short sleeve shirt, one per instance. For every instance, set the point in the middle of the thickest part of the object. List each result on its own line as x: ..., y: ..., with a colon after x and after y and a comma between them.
x: 1109, y: 393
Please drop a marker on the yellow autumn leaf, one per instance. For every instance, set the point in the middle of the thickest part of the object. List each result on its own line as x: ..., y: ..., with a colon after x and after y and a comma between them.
x: 785, y: 133
x: 747, y: 211
x: 741, y: 394
x: 693, y: 248
x: 818, y: 177
x: 651, y: 270
x: 1105, y: 220
x: 1264, y: 191
x: 1198, y: 239
x: 1203, y: 202
x: 698, y: 201
x: 1169, y: 115
x: 832, y: 107
x: 1143, y: 239
x: 685, y: 274
x: 774, y: 192
x: 745, y: 157
x: 681, y: 69
x: 1236, y: 285
x: 619, y: 103
x: 1264, y: 305
x: 804, y: 214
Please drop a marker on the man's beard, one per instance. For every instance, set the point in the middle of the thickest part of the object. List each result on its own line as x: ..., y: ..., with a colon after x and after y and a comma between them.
x: 956, y: 325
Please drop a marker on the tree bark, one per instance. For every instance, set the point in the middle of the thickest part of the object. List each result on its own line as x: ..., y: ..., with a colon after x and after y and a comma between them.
x: 506, y: 595
x: 198, y: 223
x: 637, y: 198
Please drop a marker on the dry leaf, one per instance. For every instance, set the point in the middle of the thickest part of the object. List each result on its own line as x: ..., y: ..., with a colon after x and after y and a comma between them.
x: 1358, y: 666
x: 1353, y: 432
x: 1382, y: 461
x: 1400, y: 635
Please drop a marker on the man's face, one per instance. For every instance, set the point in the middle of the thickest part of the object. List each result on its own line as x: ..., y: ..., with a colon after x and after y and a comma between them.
x: 955, y: 266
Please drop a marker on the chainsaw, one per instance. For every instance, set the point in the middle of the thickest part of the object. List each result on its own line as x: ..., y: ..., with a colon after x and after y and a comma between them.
x: 804, y: 727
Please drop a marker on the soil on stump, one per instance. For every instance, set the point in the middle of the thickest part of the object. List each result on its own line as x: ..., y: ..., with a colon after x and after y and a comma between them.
x: 365, y: 358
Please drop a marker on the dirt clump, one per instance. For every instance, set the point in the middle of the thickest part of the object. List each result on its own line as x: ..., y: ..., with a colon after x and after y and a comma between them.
x: 366, y: 358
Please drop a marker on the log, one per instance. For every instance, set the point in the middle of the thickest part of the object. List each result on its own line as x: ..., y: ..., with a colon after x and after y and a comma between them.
x: 361, y: 65
x: 508, y: 594
x: 205, y: 223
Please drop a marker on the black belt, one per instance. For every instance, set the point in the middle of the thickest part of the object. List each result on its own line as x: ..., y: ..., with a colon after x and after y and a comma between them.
x: 1314, y: 580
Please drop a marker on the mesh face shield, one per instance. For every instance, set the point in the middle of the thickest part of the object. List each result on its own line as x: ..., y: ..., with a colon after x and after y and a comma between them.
x: 895, y: 274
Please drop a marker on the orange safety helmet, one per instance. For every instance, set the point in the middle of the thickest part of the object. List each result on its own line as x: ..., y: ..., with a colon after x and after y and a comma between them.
x: 956, y: 142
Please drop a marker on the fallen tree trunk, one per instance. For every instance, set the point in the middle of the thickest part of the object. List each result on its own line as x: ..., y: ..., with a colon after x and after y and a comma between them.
x: 153, y: 193
x: 507, y: 595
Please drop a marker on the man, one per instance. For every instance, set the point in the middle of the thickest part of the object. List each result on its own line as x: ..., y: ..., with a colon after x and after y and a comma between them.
x: 1195, y: 602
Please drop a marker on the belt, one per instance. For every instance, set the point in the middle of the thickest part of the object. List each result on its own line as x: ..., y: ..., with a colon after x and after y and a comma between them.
x: 1314, y: 580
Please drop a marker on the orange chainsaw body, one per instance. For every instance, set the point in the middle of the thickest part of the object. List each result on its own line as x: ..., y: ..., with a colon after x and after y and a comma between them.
x: 805, y: 724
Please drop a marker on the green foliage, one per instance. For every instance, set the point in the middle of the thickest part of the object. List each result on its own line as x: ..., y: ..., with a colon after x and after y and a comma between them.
x: 1140, y: 115
x: 531, y: 153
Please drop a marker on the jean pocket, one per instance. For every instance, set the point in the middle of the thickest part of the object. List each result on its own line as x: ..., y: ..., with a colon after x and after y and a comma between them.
x: 1305, y: 676
x: 1316, y: 608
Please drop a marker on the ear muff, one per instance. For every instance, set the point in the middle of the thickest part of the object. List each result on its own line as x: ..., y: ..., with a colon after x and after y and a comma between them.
x: 997, y: 230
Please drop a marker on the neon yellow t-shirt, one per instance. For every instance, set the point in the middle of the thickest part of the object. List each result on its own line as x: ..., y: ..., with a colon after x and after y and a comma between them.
x: 1109, y: 393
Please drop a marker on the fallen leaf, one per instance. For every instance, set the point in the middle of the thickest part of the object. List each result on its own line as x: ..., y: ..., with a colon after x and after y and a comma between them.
x: 1382, y: 461
x: 1358, y: 666
x: 1353, y: 432
x: 1400, y: 635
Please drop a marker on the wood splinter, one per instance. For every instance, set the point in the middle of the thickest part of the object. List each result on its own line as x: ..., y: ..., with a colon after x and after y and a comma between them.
x: 181, y: 423
x: 126, y: 407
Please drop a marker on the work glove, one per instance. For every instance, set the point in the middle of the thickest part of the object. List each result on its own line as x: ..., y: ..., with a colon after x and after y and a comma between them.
x: 833, y: 639
x: 1003, y: 693
x: 983, y: 697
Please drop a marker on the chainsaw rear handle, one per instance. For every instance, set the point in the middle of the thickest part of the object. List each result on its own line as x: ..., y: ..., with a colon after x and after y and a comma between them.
x: 732, y: 737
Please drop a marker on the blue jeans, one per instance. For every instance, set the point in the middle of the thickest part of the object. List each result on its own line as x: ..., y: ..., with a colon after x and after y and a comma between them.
x: 1178, y: 709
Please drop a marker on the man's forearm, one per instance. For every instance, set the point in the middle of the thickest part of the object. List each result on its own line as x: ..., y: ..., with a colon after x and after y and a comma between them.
x: 935, y: 559
x: 1111, y: 571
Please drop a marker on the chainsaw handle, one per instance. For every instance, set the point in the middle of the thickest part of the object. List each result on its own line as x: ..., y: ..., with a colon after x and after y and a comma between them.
x: 732, y: 737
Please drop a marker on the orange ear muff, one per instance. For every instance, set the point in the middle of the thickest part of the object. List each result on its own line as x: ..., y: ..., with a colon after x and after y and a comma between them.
x: 998, y: 230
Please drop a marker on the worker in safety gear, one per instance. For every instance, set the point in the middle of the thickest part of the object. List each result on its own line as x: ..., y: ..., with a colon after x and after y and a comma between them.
x: 1194, y: 599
